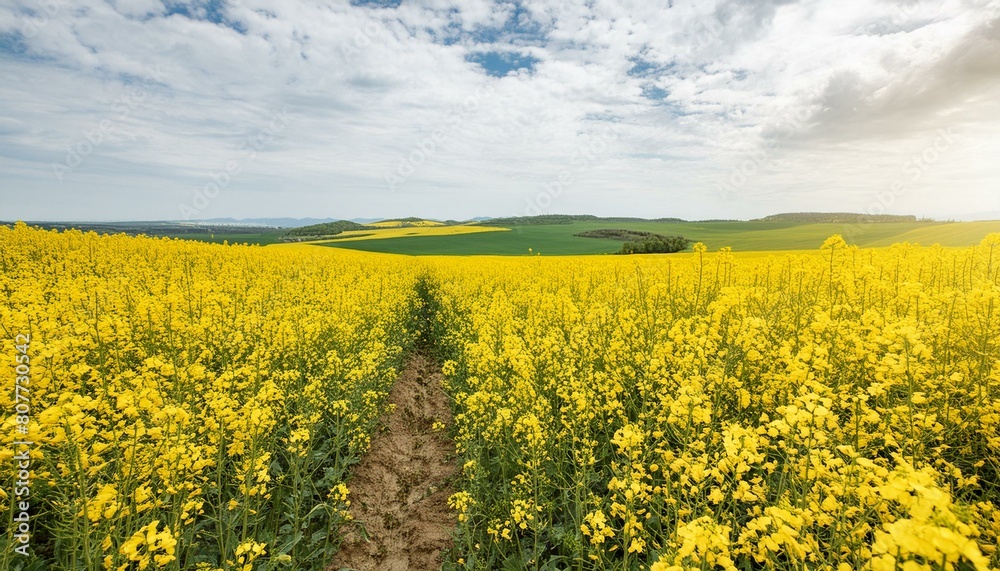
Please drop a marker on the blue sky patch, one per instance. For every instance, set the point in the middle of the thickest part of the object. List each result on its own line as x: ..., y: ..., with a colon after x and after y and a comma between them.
x: 213, y: 11
x: 377, y: 3
x: 654, y: 93
x: 13, y: 46
x: 499, y: 64
x: 519, y: 29
x: 642, y: 67
x: 13, y: 43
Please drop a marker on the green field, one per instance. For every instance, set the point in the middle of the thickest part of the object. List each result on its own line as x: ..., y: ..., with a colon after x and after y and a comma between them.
x: 559, y: 239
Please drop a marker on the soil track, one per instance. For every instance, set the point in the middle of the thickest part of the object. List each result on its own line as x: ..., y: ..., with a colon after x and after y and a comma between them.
x: 400, y: 489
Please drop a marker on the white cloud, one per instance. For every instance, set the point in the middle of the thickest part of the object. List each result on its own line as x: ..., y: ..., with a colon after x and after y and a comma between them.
x: 826, y: 100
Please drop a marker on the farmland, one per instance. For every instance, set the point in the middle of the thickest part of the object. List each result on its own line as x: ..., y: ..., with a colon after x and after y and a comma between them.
x: 410, y: 233
x: 561, y: 239
x: 834, y: 409
x: 196, y: 406
x: 200, y: 406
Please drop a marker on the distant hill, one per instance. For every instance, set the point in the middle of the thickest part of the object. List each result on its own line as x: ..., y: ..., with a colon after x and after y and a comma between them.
x: 325, y: 229
x: 410, y: 222
x: 157, y: 227
x: 836, y: 218
x: 545, y: 219
x: 275, y: 222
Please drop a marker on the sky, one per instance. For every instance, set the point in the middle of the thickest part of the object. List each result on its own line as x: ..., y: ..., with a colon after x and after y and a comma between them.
x: 169, y: 110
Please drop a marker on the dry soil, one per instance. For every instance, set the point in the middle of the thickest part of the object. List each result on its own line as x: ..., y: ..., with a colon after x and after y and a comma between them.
x: 400, y: 489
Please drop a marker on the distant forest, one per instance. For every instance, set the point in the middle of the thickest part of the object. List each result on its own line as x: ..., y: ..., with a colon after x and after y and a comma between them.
x: 325, y: 229
x: 565, y: 219
x: 837, y: 217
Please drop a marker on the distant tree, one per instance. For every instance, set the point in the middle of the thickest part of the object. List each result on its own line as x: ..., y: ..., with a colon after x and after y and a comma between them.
x: 325, y: 229
x: 655, y: 244
x: 836, y: 217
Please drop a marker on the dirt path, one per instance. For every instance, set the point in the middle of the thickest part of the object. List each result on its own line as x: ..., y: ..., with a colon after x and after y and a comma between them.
x: 399, y: 492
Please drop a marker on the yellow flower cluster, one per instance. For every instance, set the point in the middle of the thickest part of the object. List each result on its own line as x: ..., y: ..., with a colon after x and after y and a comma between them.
x: 830, y: 410
x: 145, y: 547
x: 192, y: 404
x: 198, y: 406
